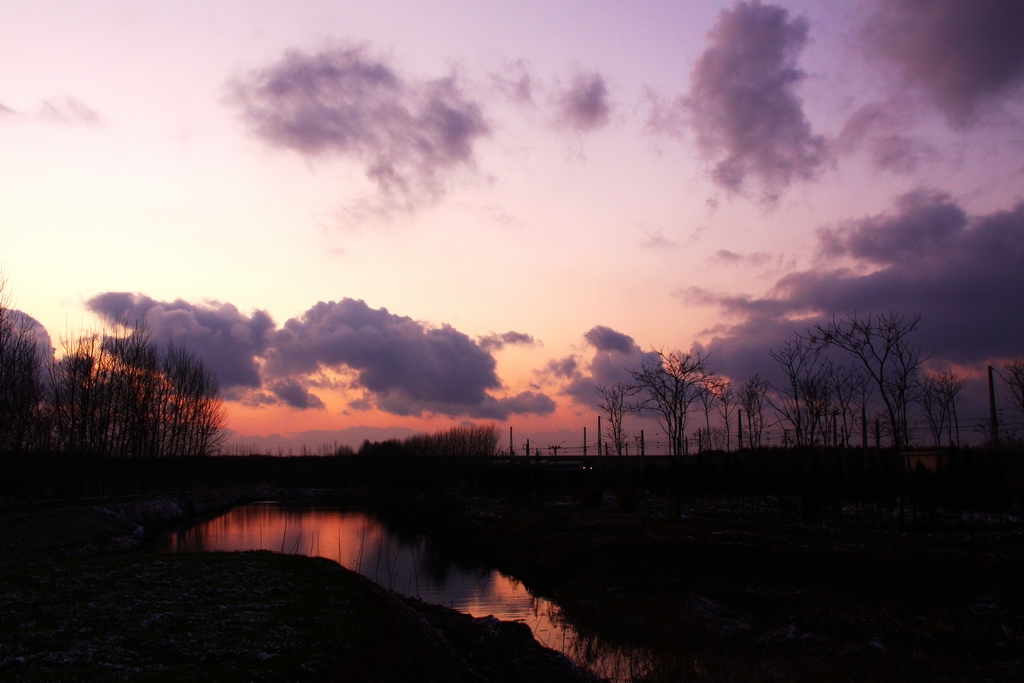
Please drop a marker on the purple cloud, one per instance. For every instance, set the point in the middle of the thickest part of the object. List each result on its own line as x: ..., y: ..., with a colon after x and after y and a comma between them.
x: 615, y: 353
x: 407, y: 366
x: 404, y: 366
x: 606, y: 339
x: 584, y: 105
x: 563, y: 368
x: 882, y: 129
x: 927, y: 255
x: 227, y: 340
x: 293, y: 393
x: 964, y: 56
x: 743, y: 103
x: 496, y: 342
x: 410, y: 136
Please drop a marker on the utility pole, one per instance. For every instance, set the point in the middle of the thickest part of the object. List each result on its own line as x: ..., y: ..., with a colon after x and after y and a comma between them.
x: 993, y: 420
x: 642, y: 454
x: 739, y: 424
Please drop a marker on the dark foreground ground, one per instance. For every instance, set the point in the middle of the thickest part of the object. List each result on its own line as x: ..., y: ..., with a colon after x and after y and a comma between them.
x: 78, y: 603
x: 725, y: 600
x: 695, y: 599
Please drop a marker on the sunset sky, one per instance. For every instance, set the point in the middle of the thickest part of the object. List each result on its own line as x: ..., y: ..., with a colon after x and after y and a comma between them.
x: 418, y: 215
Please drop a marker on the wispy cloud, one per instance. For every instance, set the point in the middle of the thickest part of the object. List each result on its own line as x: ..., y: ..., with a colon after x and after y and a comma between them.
x: 883, y: 129
x: 69, y: 110
x: 496, y: 342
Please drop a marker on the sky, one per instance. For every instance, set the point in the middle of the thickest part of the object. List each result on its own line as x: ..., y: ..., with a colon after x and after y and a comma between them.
x: 373, y: 218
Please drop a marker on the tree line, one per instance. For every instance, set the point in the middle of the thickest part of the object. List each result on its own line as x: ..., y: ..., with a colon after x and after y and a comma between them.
x: 468, y: 441
x: 854, y: 376
x: 114, y: 393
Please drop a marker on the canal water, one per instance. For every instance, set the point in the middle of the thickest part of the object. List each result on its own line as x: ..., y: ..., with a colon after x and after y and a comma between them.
x: 412, y: 566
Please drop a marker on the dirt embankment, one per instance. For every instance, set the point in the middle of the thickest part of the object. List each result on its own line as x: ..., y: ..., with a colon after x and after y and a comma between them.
x: 79, y: 605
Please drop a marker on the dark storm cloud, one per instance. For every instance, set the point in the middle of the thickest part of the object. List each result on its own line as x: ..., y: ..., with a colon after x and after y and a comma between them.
x: 407, y: 366
x: 496, y: 342
x: 408, y: 135
x: 227, y: 340
x: 965, y: 56
x: 743, y: 103
x: 294, y: 394
x: 928, y: 255
x: 584, y: 105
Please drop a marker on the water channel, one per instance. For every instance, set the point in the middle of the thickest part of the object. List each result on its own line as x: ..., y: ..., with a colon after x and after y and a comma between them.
x: 412, y: 566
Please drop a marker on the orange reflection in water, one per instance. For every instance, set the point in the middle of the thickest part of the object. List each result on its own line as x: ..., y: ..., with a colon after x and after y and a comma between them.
x: 411, y: 566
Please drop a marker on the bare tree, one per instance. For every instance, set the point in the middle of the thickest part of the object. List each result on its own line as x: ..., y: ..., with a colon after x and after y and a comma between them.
x: 114, y: 394
x: 950, y: 385
x: 880, y: 342
x: 726, y: 407
x: 803, y: 400
x: 1012, y: 374
x: 708, y: 397
x: 933, y: 403
x: 753, y: 396
x: 21, y: 387
x: 667, y: 386
x: 846, y: 389
x: 615, y: 404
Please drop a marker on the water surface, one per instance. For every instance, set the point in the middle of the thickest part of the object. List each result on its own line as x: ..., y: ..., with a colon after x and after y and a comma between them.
x: 412, y: 566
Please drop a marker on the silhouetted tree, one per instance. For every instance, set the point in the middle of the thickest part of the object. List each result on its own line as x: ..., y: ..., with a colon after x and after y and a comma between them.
x: 667, y: 386
x: 21, y: 387
x: 753, y: 396
x: 1012, y: 375
x: 934, y: 408
x: 614, y: 402
x: 114, y: 394
x: 880, y: 343
x: 727, y: 399
x: 803, y: 399
x: 708, y: 397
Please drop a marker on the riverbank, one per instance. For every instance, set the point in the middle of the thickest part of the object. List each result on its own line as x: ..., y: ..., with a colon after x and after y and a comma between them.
x: 719, y: 600
x: 79, y: 604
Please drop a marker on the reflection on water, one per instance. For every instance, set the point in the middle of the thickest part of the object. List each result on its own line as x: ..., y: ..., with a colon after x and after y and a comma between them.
x: 411, y: 566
